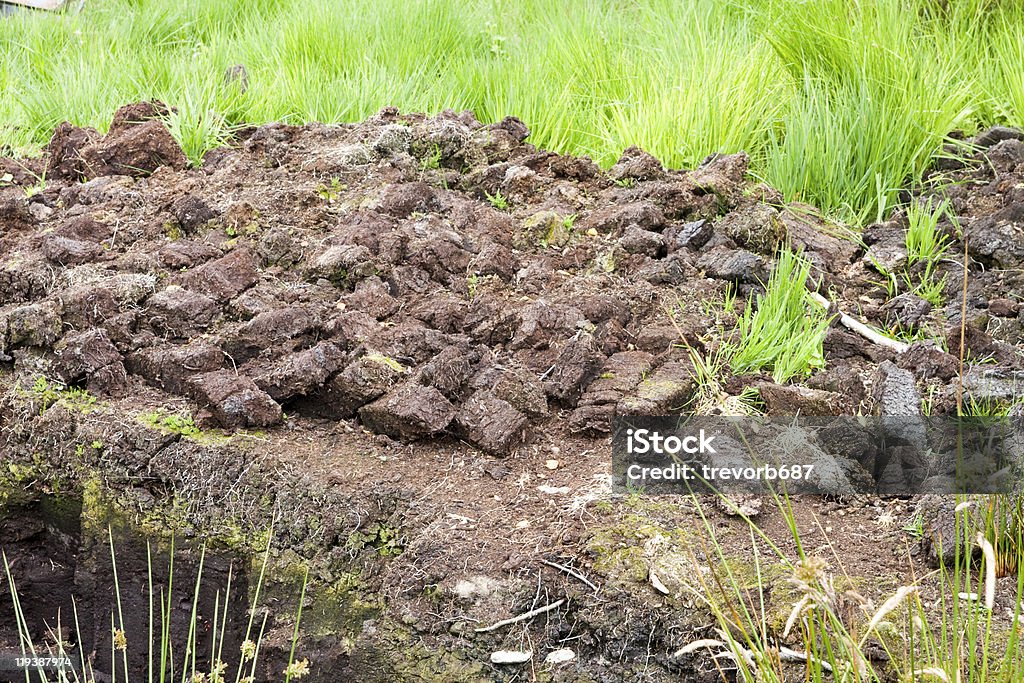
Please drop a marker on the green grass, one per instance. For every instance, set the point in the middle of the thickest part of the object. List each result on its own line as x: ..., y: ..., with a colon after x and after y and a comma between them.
x: 925, y: 245
x: 927, y: 629
x: 166, y: 659
x: 924, y: 241
x: 782, y: 332
x: 837, y: 102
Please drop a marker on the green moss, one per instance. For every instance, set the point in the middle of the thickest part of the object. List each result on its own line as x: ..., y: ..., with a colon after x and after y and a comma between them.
x: 182, y: 425
x: 416, y: 662
x: 15, y: 489
x: 169, y: 423
x: 385, y: 539
x: 620, y: 550
x: 337, y: 606
x: 102, y: 507
x: 385, y: 360
x: 46, y: 393
x: 173, y: 231
x: 622, y: 565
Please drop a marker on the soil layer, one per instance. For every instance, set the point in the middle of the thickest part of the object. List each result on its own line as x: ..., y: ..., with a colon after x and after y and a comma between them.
x: 401, y: 343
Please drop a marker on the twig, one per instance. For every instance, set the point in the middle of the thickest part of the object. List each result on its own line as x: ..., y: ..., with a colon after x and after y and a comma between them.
x: 571, y: 572
x: 523, y: 617
x: 873, y: 336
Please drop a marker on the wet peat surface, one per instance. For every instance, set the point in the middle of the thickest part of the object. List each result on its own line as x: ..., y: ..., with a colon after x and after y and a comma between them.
x: 402, y: 343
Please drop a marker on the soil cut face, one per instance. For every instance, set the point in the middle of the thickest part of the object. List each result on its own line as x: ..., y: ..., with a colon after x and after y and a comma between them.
x: 404, y: 340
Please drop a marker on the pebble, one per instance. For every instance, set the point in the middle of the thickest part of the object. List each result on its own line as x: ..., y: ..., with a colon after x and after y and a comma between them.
x: 560, y: 656
x: 511, y: 656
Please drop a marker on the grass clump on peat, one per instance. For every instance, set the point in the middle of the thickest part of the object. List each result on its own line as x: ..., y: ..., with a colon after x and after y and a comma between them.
x: 834, y: 633
x: 925, y: 245
x: 782, y: 333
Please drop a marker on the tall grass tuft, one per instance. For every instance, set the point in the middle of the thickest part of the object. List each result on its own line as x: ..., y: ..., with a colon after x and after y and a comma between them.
x: 782, y: 333
x: 166, y: 660
x: 831, y: 631
x: 924, y: 241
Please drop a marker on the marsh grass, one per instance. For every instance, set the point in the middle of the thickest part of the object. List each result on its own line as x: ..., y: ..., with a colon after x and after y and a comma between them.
x: 781, y: 332
x: 166, y: 660
x: 924, y: 241
x: 831, y: 629
x: 837, y: 102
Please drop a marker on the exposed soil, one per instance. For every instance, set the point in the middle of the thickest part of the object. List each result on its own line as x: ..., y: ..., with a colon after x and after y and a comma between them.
x: 404, y: 341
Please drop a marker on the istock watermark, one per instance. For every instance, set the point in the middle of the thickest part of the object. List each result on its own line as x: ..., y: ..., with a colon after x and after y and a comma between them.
x: 647, y: 441
x: 677, y: 472
x: 821, y: 455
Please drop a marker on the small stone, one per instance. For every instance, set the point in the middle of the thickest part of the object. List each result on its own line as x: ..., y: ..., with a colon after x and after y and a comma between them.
x: 562, y: 656
x: 511, y: 656
x: 657, y: 584
x: 551, y: 464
